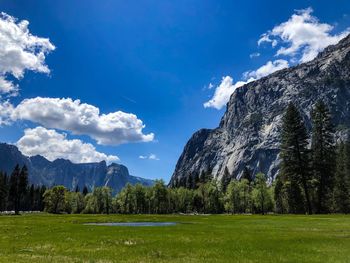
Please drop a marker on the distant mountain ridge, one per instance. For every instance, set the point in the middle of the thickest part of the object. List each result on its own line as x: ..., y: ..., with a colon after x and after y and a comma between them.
x: 249, y: 132
x: 64, y: 172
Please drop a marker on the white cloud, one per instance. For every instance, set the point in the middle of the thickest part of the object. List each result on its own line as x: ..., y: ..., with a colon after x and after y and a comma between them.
x: 303, y: 35
x: 19, y: 51
x: 267, y: 69
x: 6, y: 110
x: 254, y: 55
x: 152, y: 156
x: 266, y: 38
x: 81, y: 118
x: 53, y: 145
x: 227, y: 87
x: 223, y: 92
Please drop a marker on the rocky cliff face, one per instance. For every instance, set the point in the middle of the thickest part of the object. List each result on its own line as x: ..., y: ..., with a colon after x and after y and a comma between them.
x: 249, y: 132
x: 64, y: 172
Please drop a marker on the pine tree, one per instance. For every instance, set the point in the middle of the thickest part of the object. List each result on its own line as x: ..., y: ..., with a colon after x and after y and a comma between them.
x: 189, y: 182
x: 323, y: 155
x: 3, y: 191
x: 14, y: 200
x: 22, y: 187
x: 279, y: 196
x: 196, y: 180
x: 295, y: 161
x: 225, y: 180
x: 85, y: 190
x: 41, y: 204
x: 202, y: 178
x: 37, y: 199
x: 31, y: 201
x: 247, y: 174
x: 342, y: 180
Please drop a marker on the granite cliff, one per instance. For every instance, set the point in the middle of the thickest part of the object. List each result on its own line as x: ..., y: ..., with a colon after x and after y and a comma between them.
x: 249, y: 131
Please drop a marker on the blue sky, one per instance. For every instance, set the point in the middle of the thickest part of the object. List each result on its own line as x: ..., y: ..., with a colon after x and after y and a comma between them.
x: 156, y: 60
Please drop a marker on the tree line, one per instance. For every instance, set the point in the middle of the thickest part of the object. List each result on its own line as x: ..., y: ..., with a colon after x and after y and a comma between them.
x: 314, y: 177
x: 240, y: 197
x: 17, y: 195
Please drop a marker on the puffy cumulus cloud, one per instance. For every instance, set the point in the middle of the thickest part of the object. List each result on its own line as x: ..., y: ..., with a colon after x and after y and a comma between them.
x: 20, y: 51
x: 303, y: 34
x: 267, y: 69
x: 152, y: 156
x: 53, y: 145
x: 6, y: 109
x: 81, y: 118
x: 223, y: 92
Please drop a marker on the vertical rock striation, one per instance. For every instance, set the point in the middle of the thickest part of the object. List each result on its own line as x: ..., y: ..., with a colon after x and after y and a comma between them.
x: 249, y: 131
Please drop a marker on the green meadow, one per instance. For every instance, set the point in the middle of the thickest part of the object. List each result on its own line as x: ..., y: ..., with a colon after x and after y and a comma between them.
x: 196, y: 238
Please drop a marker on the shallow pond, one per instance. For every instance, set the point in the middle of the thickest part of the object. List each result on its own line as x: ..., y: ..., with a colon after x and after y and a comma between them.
x: 133, y: 224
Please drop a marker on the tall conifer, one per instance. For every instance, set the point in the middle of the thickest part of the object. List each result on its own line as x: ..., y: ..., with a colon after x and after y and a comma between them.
x: 323, y: 155
x: 13, y: 190
x: 295, y: 161
x: 342, y: 180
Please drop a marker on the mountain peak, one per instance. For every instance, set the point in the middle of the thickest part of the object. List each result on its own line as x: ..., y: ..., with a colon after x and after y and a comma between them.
x: 64, y: 172
x: 249, y: 131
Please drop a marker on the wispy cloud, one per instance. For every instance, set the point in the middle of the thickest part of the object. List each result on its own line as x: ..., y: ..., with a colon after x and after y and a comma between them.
x: 152, y: 156
x: 254, y: 55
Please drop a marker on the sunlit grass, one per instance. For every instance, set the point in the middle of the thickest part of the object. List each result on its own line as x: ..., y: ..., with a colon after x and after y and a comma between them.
x: 217, y: 238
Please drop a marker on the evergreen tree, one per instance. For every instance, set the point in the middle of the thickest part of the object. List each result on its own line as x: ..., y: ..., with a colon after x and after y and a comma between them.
x: 31, y: 198
x: 279, y: 196
x: 196, y: 180
x: 342, y: 180
x: 247, y: 174
x: 14, y: 200
x: 3, y: 191
x: 225, y: 180
x: 295, y: 161
x: 323, y: 155
x: 189, y: 182
x: 41, y: 204
x: 22, y: 187
x: 85, y: 190
x: 77, y: 190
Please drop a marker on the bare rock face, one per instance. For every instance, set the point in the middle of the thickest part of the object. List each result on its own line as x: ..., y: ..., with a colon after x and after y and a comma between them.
x: 249, y: 132
x: 64, y: 172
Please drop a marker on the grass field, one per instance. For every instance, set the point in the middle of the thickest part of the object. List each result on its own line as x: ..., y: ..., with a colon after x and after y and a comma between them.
x: 216, y: 238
